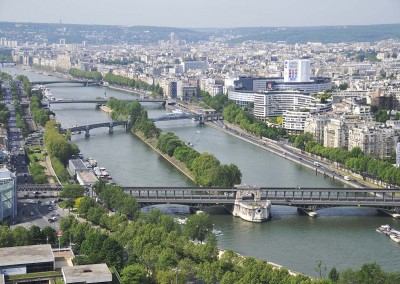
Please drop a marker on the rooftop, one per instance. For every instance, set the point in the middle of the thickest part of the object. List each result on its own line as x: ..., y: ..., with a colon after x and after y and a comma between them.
x: 92, y: 273
x: 25, y: 254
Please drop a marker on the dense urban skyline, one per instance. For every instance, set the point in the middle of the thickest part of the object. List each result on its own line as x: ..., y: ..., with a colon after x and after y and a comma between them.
x: 202, y: 14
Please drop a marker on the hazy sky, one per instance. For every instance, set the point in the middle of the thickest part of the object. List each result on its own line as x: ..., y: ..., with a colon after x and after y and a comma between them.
x: 203, y: 13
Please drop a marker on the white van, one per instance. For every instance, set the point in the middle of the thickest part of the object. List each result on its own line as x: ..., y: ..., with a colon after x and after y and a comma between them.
x: 317, y: 164
x: 347, y: 178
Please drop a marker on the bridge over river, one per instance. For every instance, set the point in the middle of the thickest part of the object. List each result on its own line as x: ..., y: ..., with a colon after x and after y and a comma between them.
x: 171, y: 116
x: 84, y: 82
x: 307, y: 200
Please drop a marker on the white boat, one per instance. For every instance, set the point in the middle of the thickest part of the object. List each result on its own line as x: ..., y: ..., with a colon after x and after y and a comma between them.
x: 395, y: 237
x: 177, y: 110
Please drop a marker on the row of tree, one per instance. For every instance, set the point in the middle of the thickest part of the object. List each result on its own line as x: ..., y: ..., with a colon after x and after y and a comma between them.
x: 40, y: 116
x: 218, y: 102
x: 355, y: 160
x: 206, y: 168
x: 27, y: 84
x: 90, y: 75
x: 235, y: 114
x: 133, y: 83
x: 20, y: 236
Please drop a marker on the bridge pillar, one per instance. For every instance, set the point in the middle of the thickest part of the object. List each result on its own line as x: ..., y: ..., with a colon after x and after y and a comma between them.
x: 87, y: 134
x: 110, y: 128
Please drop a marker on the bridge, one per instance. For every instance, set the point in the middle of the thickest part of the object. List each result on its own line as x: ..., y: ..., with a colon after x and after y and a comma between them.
x: 99, y: 101
x: 84, y: 82
x: 126, y: 123
x: 306, y: 200
x: 109, y: 125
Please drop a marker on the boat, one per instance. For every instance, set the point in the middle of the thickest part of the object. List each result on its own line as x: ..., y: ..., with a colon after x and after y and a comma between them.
x: 177, y: 111
x: 394, y: 235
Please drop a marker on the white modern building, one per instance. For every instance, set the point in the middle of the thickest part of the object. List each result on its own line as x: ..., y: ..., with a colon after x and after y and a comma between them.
x: 296, y: 71
x: 276, y: 103
x: 8, y: 194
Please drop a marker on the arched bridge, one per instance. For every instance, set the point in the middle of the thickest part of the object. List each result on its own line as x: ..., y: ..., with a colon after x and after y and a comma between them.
x: 84, y: 82
x: 109, y: 125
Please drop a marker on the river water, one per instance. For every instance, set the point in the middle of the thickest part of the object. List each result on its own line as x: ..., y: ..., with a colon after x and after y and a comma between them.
x: 341, y: 237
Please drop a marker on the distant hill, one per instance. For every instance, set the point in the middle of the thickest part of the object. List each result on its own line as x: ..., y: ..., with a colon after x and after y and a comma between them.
x: 324, y: 34
x: 104, y: 34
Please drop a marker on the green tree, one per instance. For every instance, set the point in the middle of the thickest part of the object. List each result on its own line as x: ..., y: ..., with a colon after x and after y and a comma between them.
x: 198, y: 226
x: 72, y: 191
x: 334, y: 275
x: 134, y: 274
x: 85, y: 204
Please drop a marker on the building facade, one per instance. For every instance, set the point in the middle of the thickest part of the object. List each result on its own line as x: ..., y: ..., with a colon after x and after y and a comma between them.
x: 8, y: 194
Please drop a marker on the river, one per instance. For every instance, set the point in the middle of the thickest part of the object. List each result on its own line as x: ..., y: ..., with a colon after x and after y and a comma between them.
x: 340, y: 237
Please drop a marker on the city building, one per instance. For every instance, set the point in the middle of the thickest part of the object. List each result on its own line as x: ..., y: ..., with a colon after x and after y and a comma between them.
x: 296, y: 71
x: 313, y: 86
x: 379, y: 142
x: 8, y: 194
x: 26, y: 259
x: 293, y: 121
x: 276, y: 103
x: 91, y: 273
x: 315, y: 124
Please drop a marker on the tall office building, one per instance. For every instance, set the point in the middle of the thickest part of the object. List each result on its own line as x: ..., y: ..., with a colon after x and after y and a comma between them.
x: 296, y: 71
x: 62, y: 41
x: 8, y: 194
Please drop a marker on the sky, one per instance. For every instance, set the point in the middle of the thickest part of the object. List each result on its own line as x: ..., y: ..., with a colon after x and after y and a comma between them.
x: 203, y: 13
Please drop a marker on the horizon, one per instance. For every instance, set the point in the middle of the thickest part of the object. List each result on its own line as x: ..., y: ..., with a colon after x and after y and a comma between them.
x: 198, y: 28
x: 203, y: 14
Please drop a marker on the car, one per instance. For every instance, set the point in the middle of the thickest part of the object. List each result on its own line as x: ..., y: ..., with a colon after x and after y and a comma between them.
x: 32, y: 214
x: 50, y: 208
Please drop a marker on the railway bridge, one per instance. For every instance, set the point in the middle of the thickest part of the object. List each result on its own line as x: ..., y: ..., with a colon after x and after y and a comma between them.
x: 306, y: 200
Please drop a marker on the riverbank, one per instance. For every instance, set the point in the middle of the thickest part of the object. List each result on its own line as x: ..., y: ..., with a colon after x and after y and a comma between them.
x: 177, y: 164
x: 273, y: 147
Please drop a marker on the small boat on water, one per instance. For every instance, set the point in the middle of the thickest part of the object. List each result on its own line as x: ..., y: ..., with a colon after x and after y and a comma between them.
x: 394, y: 235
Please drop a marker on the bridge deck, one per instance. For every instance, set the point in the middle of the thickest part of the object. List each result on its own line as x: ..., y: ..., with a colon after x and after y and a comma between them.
x: 320, y: 197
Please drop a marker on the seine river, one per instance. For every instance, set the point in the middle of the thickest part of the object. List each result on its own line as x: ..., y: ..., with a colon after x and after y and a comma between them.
x: 341, y: 237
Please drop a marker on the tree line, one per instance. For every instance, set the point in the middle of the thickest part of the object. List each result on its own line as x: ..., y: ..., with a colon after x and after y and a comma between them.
x: 133, y: 83
x: 59, y: 149
x: 233, y: 113
x: 354, y: 160
x: 90, y: 75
